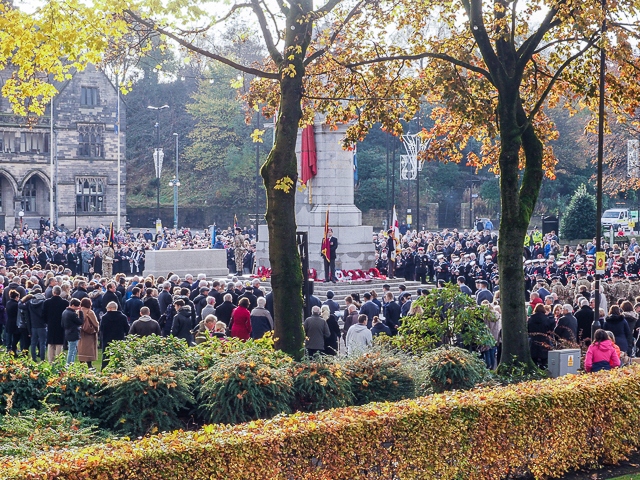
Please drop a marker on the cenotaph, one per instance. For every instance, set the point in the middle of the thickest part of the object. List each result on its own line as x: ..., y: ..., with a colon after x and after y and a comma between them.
x: 331, y: 188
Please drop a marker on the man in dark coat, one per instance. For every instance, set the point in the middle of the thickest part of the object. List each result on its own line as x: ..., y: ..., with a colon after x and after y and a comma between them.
x: 331, y: 303
x: 316, y: 330
x: 540, y: 328
x: 111, y: 296
x: 224, y: 311
x: 584, y: 316
x: 369, y: 309
x: 164, y: 298
x: 391, y: 311
x: 132, y: 306
x: 182, y: 322
x: 113, y: 326
x: 53, y: 309
x: 567, y: 327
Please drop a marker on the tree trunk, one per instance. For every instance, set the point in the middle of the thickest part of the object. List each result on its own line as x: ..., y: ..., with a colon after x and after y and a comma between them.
x: 282, y: 164
x: 518, y: 197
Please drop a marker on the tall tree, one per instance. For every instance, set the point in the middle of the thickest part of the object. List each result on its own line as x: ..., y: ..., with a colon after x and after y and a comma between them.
x: 492, y: 67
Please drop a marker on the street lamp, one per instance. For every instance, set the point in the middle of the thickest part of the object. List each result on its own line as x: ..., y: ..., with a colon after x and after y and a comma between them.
x: 158, y: 156
x: 175, y: 183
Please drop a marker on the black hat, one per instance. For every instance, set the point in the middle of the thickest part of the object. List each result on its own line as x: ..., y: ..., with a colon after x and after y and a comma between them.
x: 204, y: 289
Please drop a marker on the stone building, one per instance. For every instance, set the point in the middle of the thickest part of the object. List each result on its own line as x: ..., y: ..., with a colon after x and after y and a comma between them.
x: 85, y: 156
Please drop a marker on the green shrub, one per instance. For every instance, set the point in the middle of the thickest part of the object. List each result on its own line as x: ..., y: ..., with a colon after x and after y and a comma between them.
x: 32, y: 433
x: 147, y: 397
x: 445, y: 316
x: 22, y: 380
x: 320, y: 384
x: 378, y: 375
x: 137, y: 349
x: 77, y: 391
x: 452, y: 369
x: 244, y: 386
x: 213, y: 348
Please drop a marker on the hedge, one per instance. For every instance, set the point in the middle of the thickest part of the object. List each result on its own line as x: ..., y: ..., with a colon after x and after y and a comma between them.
x: 544, y: 428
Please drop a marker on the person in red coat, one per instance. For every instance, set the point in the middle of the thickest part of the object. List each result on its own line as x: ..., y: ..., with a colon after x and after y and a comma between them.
x: 241, y: 320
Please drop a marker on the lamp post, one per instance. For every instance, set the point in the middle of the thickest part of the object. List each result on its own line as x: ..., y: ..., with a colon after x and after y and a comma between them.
x: 158, y: 156
x: 175, y: 183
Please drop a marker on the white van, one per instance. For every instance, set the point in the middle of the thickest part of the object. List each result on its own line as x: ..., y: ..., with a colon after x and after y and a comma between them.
x: 618, y: 218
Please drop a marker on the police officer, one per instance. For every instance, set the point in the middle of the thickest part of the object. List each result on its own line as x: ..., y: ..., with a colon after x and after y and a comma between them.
x: 421, y: 263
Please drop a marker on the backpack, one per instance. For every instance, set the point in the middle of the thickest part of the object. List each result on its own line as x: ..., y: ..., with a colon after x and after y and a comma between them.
x: 167, y: 316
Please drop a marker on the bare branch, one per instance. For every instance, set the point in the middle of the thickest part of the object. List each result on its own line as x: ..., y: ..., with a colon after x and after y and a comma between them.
x: 325, y: 9
x: 266, y: 33
x: 201, y: 51
x: 438, y: 56
x: 529, y: 46
x: 479, y: 32
x: 318, y: 53
x: 554, y: 79
x: 557, y: 41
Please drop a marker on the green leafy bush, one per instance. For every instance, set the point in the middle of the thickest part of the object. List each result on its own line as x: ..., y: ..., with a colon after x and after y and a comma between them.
x: 32, y: 432
x: 320, y: 384
x: 78, y: 391
x: 137, y: 349
x: 22, y: 380
x: 452, y: 369
x: 444, y: 317
x: 244, y: 386
x: 378, y: 375
x: 147, y: 397
x: 211, y: 350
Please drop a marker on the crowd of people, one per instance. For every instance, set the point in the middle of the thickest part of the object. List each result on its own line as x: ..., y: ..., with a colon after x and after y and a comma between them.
x: 82, y: 289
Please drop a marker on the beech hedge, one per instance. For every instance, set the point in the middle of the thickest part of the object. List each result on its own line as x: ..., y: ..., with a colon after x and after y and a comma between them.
x: 543, y: 428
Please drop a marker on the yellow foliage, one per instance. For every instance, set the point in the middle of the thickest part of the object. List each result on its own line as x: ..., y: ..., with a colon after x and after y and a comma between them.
x: 544, y: 428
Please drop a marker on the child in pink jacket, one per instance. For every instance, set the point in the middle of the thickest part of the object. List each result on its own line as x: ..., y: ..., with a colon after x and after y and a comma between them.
x: 601, y: 354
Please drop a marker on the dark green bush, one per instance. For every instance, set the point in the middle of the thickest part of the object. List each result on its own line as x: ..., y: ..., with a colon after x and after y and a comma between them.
x: 452, y: 369
x: 77, y: 391
x: 23, y: 383
x: 320, y: 384
x: 137, y: 349
x: 148, y: 397
x: 379, y: 375
x: 244, y: 386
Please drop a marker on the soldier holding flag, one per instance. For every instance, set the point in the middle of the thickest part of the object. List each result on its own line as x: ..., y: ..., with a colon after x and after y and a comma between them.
x: 108, y: 254
x: 329, y: 247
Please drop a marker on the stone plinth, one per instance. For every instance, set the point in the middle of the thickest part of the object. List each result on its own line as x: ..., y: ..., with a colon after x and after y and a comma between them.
x: 212, y: 262
x: 331, y: 189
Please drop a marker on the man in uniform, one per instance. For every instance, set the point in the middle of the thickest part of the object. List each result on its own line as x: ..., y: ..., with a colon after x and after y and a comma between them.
x: 238, y: 249
x: 108, y: 254
x: 330, y: 257
x: 421, y: 262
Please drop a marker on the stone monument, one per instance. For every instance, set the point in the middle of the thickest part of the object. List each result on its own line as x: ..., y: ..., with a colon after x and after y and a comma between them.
x: 331, y: 188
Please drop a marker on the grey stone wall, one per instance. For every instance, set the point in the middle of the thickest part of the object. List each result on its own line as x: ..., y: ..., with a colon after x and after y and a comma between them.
x: 17, y: 168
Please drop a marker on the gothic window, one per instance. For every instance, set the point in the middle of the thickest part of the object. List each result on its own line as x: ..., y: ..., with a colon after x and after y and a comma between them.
x: 90, y: 140
x: 90, y: 194
x: 29, y: 194
x: 89, y: 96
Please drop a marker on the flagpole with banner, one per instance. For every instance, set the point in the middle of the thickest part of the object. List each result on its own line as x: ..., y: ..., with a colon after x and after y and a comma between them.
x: 326, y: 246
x: 395, y: 233
x: 112, y: 236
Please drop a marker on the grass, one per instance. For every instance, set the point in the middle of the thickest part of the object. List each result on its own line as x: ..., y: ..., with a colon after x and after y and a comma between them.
x: 631, y: 476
